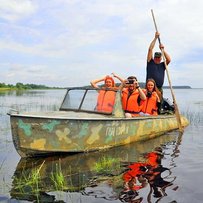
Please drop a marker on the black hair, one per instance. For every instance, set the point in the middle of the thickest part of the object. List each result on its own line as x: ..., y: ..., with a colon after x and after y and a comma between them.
x: 132, y: 78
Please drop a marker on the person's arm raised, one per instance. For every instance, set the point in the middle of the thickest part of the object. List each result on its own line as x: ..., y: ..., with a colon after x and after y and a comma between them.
x: 151, y: 47
x: 94, y: 82
x: 118, y: 77
x: 167, y: 57
x: 142, y: 94
x: 121, y: 80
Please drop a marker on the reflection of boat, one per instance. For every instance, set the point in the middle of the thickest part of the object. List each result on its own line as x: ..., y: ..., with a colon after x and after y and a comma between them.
x: 78, y: 170
x: 79, y: 127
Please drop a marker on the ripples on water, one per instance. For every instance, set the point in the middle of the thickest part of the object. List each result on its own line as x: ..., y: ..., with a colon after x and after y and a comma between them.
x: 83, y: 183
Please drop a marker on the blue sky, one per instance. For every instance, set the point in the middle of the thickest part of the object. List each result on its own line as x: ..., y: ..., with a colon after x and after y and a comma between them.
x: 71, y: 42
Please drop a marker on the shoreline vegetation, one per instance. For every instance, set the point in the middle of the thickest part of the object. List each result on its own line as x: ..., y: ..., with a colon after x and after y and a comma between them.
x: 21, y: 86
x: 142, y: 85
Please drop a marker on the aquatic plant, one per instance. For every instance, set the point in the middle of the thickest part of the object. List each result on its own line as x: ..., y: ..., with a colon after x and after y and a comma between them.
x: 28, y: 184
x: 63, y: 182
x: 1, y: 165
x: 194, y: 117
x: 107, y: 165
x: 58, y: 178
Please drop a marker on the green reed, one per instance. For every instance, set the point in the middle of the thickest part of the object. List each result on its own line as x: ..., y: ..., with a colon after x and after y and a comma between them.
x: 1, y: 165
x: 107, y: 165
x: 58, y: 178
x: 63, y: 182
x: 28, y: 184
x: 194, y: 117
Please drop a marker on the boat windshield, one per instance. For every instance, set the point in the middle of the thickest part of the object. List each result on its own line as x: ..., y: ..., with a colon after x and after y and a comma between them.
x: 91, y: 100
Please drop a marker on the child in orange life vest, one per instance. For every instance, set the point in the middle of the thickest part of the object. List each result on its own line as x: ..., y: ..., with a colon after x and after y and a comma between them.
x: 130, y: 94
x: 106, y: 98
x: 152, y: 102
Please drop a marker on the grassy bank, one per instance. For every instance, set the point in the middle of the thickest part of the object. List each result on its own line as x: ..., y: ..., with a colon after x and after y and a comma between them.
x: 10, y: 89
x: 6, y: 88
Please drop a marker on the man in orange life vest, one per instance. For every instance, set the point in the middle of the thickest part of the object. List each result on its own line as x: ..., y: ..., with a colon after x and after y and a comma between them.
x: 130, y: 95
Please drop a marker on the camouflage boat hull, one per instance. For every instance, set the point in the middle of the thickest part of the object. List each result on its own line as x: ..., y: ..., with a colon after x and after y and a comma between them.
x: 79, y: 130
x: 34, y: 135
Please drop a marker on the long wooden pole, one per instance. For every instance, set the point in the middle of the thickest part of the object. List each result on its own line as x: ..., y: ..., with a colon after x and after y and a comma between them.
x: 177, y: 112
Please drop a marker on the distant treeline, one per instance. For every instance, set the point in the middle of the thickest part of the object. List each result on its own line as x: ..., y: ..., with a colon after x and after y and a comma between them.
x: 20, y: 86
x: 142, y: 85
x: 25, y: 86
x: 178, y: 87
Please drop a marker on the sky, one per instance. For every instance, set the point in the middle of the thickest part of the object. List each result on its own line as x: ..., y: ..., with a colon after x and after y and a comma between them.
x: 65, y: 43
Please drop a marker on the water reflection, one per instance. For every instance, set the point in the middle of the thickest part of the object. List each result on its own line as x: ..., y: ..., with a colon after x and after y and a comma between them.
x: 146, y: 174
x: 22, y: 92
x: 95, y: 175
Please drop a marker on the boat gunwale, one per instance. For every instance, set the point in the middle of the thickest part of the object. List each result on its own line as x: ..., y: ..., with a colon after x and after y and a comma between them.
x: 96, y: 118
x: 80, y: 114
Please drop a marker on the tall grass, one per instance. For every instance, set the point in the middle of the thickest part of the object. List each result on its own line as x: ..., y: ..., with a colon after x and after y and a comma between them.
x: 194, y: 117
x: 107, y: 165
x: 58, y: 178
x: 62, y: 180
x: 28, y: 184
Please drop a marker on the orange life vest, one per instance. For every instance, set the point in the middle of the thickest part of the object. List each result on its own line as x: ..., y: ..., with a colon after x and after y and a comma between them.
x: 130, y: 175
x: 153, y: 159
x: 106, y: 100
x: 150, y: 104
x: 129, y: 101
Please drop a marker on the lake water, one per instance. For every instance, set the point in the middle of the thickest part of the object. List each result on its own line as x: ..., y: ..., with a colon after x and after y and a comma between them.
x: 38, y: 180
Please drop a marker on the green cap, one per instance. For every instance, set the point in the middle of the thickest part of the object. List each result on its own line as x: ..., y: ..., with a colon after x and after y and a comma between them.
x: 157, y: 54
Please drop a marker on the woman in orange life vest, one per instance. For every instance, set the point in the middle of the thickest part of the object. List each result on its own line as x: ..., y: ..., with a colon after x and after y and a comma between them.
x: 130, y: 94
x: 106, y: 98
x: 151, y: 104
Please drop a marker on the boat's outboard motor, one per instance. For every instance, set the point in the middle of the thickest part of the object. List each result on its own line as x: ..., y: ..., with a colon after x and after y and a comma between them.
x: 167, y: 107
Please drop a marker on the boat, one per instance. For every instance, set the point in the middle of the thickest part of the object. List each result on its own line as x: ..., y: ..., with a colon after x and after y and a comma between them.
x: 78, y: 126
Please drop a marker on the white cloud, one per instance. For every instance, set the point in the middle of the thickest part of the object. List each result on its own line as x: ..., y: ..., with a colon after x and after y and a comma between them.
x: 13, y: 10
x: 87, y: 39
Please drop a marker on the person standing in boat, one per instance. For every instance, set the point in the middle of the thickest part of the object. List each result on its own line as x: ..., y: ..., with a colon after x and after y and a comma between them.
x: 155, y: 65
x: 152, y: 103
x: 130, y: 94
x: 106, y: 96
